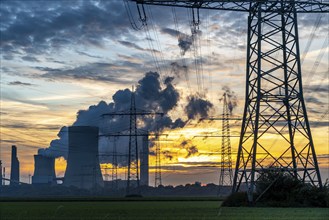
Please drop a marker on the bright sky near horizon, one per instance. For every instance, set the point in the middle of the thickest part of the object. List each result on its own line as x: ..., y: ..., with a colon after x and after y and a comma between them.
x: 60, y: 57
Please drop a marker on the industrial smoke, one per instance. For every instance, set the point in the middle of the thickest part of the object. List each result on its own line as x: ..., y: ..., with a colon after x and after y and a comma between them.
x: 152, y: 93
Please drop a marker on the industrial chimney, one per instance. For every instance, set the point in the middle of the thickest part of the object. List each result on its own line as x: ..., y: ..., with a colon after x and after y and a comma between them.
x: 144, y: 168
x: 44, y: 170
x: 83, y: 169
x: 14, y: 171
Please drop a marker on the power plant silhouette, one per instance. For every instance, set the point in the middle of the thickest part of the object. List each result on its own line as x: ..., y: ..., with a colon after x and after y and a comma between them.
x: 83, y: 165
x: 83, y: 169
x: 14, y: 172
x: 44, y: 170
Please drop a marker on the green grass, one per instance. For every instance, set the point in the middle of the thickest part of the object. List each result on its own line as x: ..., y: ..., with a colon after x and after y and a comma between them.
x: 149, y: 210
x: 246, y: 213
x: 156, y: 210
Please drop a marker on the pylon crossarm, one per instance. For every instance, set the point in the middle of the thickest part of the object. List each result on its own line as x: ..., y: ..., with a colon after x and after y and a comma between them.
x: 302, y: 6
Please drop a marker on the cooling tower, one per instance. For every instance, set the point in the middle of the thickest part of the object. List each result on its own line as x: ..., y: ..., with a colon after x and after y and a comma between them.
x: 83, y: 169
x: 44, y: 170
x: 14, y: 171
x: 144, y: 167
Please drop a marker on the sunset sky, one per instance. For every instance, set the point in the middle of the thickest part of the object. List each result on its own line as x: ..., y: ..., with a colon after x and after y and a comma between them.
x: 60, y: 57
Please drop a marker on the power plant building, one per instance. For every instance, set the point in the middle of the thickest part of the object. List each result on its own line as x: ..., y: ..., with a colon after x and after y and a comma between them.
x: 144, y: 158
x: 44, y: 170
x: 14, y: 171
x: 83, y: 169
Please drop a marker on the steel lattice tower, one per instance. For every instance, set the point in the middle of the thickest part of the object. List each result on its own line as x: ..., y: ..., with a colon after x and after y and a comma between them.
x: 158, y: 180
x: 133, y: 162
x: 133, y: 150
x: 114, y: 165
x: 226, y: 174
x: 274, y: 103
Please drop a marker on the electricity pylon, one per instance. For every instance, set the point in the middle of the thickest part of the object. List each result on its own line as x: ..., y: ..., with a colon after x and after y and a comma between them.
x: 114, y: 165
x: 226, y: 174
x: 274, y: 103
x: 158, y: 180
x: 133, y: 157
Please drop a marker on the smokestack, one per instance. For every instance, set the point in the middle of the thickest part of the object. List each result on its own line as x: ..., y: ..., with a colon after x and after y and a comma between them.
x: 44, y: 170
x: 144, y: 168
x: 14, y: 171
x: 83, y: 169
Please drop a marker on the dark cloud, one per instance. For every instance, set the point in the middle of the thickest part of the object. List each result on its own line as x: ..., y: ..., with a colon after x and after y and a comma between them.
x: 30, y: 59
x: 314, y: 100
x: 22, y: 125
x: 87, y: 54
x: 135, y: 46
x: 103, y: 72
x: 178, y: 123
x: 178, y: 70
x: 185, y: 43
x: 171, y: 32
x: 19, y: 83
x: 167, y: 154
x: 316, y: 88
x: 197, y: 107
x: 191, y: 150
x: 153, y: 96
x: 319, y: 124
x: 131, y: 45
x: 34, y: 27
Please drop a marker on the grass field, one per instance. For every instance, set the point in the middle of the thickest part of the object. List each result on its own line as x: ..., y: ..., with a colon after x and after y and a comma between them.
x: 149, y: 210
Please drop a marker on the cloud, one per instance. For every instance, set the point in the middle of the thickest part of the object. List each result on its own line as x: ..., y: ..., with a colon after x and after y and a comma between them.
x: 191, y: 150
x: 135, y: 46
x: 35, y: 28
x: 197, y: 107
x: 185, y: 41
x: 87, y: 54
x: 22, y: 125
x: 319, y: 124
x: 131, y: 45
x: 316, y: 88
x: 16, y: 97
x: 19, y: 83
x: 312, y: 99
x: 104, y: 72
x: 178, y: 70
x: 171, y: 32
x: 30, y: 59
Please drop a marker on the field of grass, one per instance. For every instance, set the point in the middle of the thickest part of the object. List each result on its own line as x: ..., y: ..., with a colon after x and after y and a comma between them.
x: 149, y: 210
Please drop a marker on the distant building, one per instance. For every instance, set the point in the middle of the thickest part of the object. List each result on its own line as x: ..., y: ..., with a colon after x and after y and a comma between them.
x: 14, y: 171
x: 83, y: 169
x: 144, y: 158
x: 44, y: 170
